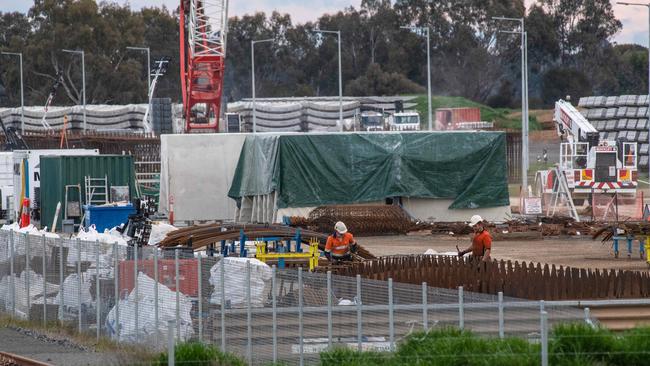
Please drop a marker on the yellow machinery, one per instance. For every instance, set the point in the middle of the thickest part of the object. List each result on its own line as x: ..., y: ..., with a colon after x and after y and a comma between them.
x: 312, y: 255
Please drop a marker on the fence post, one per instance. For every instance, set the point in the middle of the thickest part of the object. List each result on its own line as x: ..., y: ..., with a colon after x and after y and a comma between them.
x: 425, y: 310
x: 200, y: 290
x: 27, y: 269
x: 44, y: 265
x: 501, y: 320
x: 97, y: 292
x: 178, y: 294
x: 541, y: 305
x: 61, y: 279
x: 300, y: 317
x: 136, y: 291
x: 359, y: 316
x: 116, y: 271
x: 155, y: 294
x: 223, y: 302
x: 461, y: 309
x: 329, y: 309
x: 544, y: 334
x: 170, y: 343
x: 391, y: 316
x: 249, y: 316
x: 12, y: 278
x: 588, y: 317
x: 78, y: 241
x: 275, y: 314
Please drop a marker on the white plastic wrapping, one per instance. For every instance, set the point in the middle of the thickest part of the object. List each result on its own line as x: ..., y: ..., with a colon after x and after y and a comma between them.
x: 236, y: 283
x: 146, y: 313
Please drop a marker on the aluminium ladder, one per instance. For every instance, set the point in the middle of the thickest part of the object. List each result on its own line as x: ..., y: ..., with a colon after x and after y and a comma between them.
x: 561, y: 191
x: 96, y: 190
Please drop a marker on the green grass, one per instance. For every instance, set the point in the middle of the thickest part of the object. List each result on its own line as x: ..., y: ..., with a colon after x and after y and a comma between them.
x: 198, y: 354
x: 502, y: 117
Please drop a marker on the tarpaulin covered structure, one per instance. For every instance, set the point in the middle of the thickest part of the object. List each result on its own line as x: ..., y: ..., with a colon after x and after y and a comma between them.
x: 306, y: 170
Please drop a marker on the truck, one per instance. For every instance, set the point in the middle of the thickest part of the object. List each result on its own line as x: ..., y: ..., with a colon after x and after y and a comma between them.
x: 588, y: 163
x: 404, y: 121
x: 371, y: 121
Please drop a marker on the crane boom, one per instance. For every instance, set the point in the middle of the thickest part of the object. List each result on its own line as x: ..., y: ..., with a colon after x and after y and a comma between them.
x: 572, y: 123
x: 203, y: 31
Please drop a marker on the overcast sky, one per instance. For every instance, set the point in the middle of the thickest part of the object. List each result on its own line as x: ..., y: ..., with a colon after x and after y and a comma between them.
x: 635, y: 19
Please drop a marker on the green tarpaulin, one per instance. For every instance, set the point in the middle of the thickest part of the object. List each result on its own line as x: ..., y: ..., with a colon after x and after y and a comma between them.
x: 320, y: 169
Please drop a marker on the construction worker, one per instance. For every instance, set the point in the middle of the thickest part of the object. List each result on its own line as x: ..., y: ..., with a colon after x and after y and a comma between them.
x: 340, y: 245
x: 481, y: 247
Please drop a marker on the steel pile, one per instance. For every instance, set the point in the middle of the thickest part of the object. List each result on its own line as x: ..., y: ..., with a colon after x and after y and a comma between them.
x: 200, y: 236
x: 360, y: 219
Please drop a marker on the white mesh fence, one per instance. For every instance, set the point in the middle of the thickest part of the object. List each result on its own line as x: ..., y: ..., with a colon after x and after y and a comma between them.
x: 245, y: 307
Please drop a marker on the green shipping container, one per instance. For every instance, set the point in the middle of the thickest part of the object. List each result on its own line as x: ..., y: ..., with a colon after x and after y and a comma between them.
x: 59, y: 171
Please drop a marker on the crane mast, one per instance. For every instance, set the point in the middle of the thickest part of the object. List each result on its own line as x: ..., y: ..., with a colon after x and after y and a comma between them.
x: 203, y: 33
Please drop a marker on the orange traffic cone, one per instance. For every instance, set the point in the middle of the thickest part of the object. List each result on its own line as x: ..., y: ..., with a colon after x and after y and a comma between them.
x: 24, y: 217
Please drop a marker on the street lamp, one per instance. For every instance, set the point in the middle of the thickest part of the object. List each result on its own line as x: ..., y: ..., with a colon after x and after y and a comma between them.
x: 524, y: 98
x: 338, y: 34
x: 426, y: 32
x: 22, y: 95
x: 253, y: 77
x: 148, y: 51
x: 83, y: 78
x: 647, y: 5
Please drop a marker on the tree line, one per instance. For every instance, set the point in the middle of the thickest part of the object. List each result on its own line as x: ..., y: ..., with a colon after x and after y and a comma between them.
x: 570, y: 51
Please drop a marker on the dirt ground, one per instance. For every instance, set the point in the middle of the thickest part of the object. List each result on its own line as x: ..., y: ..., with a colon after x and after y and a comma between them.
x: 574, y: 252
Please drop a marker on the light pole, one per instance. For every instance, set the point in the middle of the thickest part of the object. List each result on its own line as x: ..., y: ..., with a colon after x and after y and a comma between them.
x: 524, y: 99
x: 426, y: 32
x: 83, y: 78
x: 253, y: 77
x: 647, y: 5
x: 22, y: 94
x: 338, y: 34
x: 148, y: 51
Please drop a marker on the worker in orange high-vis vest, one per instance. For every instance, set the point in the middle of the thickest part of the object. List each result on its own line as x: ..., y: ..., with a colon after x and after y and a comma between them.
x: 481, y: 247
x: 340, y: 245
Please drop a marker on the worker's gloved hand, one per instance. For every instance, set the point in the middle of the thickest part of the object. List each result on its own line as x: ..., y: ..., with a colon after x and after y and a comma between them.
x: 461, y: 253
x: 328, y: 255
x: 354, y: 248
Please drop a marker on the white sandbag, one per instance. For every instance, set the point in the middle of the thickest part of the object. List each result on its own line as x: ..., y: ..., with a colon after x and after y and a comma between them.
x: 159, y: 231
x: 70, y: 292
x: 19, y: 243
x: 20, y: 283
x: 146, y: 313
x: 236, y: 283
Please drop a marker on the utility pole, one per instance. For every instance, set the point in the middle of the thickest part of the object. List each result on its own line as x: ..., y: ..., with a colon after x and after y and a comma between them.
x: 253, y: 78
x: 524, y: 99
x: 148, y: 51
x: 338, y: 34
x: 425, y: 30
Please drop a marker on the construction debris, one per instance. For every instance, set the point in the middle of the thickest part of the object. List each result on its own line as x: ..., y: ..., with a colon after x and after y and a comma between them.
x: 199, y: 237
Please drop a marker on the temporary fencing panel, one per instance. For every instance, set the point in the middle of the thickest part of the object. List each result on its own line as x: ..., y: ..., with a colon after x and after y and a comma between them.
x: 293, y: 316
x: 314, y: 170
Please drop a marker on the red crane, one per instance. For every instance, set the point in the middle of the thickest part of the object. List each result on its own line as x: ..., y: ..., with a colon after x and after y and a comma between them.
x: 203, y: 29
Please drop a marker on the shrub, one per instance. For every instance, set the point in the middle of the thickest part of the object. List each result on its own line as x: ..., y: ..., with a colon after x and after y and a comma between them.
x: 197, y: 354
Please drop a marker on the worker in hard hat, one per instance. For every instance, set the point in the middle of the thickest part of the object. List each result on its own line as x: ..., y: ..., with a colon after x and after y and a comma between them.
x: 340, y: 245
x: 481, y: 247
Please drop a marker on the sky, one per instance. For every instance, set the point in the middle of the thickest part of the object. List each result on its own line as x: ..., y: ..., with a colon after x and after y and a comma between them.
x: 634, y: 19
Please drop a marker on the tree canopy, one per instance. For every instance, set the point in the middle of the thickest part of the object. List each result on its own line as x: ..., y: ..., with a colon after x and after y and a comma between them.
x: 570, y: 50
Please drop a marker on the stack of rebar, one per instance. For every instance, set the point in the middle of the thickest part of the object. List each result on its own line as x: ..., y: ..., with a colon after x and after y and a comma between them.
x: 200, y: 236
x: 361, y: 219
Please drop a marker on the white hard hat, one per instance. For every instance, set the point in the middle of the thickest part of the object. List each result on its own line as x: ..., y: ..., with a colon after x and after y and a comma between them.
x: 340, y: 227
x: 475, y: 220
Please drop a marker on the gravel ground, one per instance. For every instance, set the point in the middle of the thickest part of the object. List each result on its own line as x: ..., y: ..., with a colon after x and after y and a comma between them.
x: 575, y: 252
x: 56, y: 351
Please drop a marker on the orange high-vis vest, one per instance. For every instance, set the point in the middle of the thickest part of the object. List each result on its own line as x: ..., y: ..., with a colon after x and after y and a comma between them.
x: 339, y: 245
